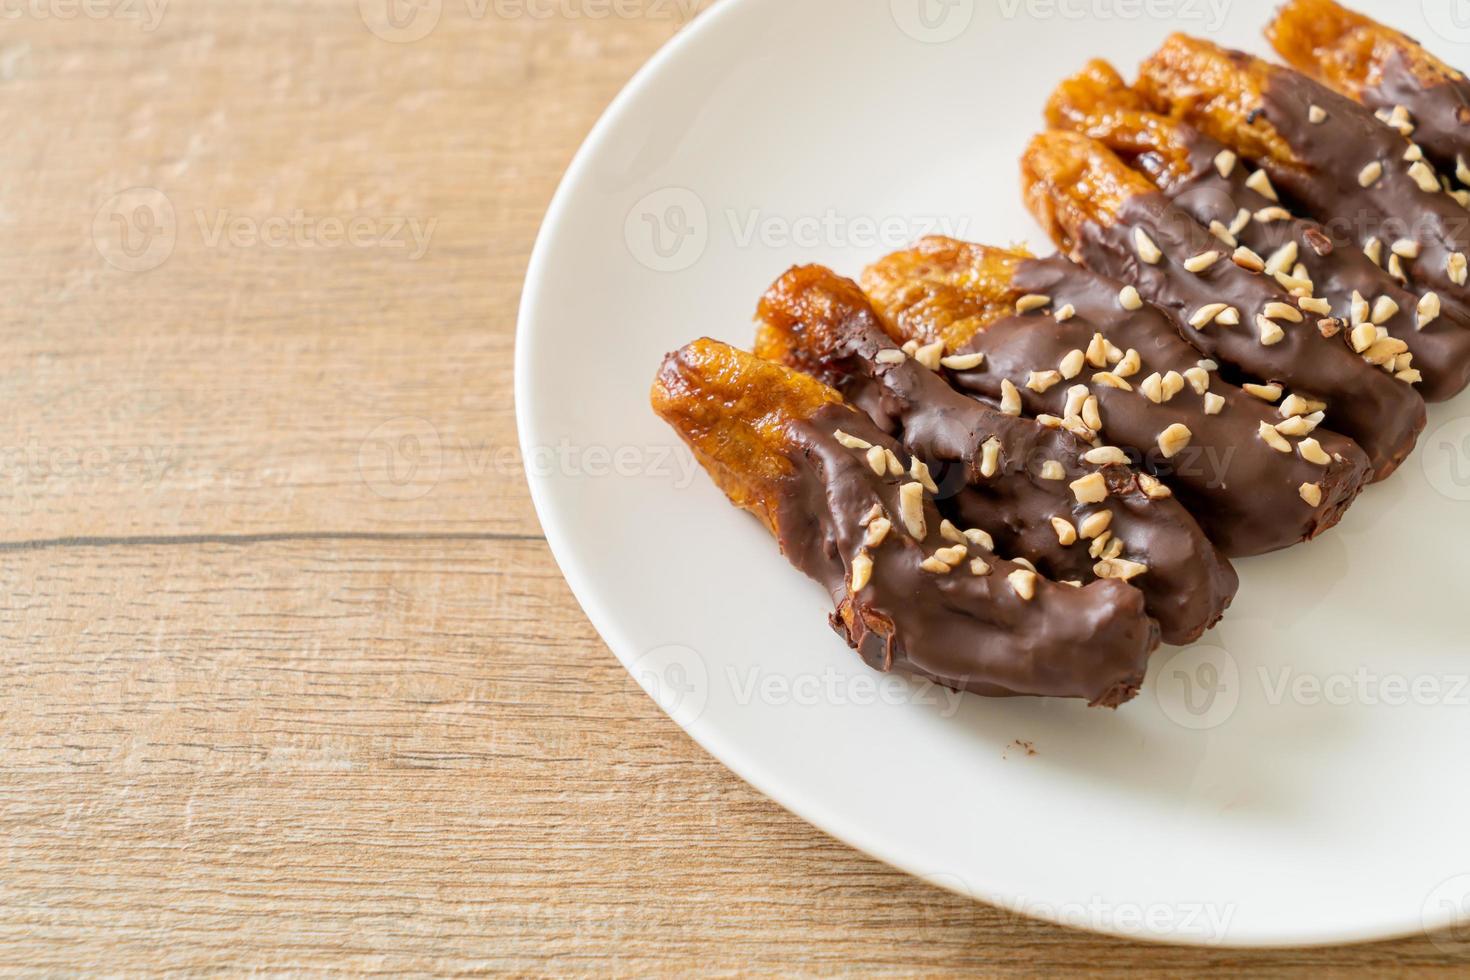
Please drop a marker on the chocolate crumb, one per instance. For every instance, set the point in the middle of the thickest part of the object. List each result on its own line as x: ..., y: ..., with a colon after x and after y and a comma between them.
x: 1023, y: 745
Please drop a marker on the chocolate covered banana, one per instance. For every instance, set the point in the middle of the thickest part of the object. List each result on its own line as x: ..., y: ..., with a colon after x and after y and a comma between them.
x: 1071, y: 506
x: 1077, y: 348
x: 1207, y: 181
x: 1389, y: 72
x: 1226, y: 302
x: 1324, y: 155
x: 909, y: 594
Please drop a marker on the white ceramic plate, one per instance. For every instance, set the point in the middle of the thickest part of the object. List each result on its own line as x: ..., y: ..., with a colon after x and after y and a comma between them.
x: 1298, y: 777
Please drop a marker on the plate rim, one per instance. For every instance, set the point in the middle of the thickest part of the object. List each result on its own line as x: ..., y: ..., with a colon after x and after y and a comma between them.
x: 718, y: 744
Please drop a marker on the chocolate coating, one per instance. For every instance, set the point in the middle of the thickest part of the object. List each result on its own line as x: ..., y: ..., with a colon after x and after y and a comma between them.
x: 1441, y: 112
x: 1243, y: 493
x: 1383, y: 415
x: 1188, y: 585
x: 1334, y: 153
x: 967, y: 632
x: 1337, y: 268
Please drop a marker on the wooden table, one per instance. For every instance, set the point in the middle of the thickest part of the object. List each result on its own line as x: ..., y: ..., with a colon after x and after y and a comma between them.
x: 289, y: 680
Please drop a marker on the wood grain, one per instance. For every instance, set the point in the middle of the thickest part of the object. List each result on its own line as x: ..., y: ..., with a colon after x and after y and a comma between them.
x: 288, y: 680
